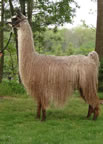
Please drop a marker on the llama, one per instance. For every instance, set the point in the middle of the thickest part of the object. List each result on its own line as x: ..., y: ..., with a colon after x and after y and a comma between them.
x: 55, y: 78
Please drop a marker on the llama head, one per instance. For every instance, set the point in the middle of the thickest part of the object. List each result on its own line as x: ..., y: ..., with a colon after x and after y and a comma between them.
x: 17, y: 20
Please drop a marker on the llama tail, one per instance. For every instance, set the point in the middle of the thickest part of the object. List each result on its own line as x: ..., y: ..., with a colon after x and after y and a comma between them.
x: 94, y: 56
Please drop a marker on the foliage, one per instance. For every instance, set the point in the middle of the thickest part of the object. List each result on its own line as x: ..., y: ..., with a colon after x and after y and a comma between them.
x: 79, y: 40
x: 52, y: 13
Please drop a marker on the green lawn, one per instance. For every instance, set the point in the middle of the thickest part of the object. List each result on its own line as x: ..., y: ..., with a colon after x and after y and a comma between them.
x: 18, y: 124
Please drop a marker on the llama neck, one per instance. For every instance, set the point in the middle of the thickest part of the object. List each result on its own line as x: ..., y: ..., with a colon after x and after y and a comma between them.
x: 25, y: 42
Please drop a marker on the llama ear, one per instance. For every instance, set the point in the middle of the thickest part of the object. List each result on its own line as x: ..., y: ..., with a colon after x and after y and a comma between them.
x: 19, y: 13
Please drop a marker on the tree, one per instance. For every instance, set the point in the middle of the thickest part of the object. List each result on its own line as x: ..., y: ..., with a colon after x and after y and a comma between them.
x: 29, y: 10
x: 1, y: 39
x: 99, y: 40
x: 47, y: 12
x: 22, y: 5
x: 50, y: 13
x: 99, y: 30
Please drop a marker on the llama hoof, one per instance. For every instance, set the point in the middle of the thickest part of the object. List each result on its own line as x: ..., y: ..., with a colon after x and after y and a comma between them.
x: 87, y: 117
x: 96, y: 113
x: 38, y: 118
x: 43, y: 119
x: 94, y: 117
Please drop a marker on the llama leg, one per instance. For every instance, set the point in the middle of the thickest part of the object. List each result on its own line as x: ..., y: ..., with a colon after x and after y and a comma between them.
x: 43, y: 114
x: 96, y: 113
x: 39, y: 110
x: 90, y: 111
x: 81, y: 93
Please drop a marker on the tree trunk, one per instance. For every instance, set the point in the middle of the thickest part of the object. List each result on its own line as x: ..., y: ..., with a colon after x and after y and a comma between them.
x: 29, y: 10
x: 12, y: 13
x: 1, y: 39
x: 22, y: 4
x: 99, y: 30
x: 15, y: 32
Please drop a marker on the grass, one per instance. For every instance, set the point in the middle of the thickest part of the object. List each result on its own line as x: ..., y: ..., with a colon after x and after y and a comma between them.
x: 67, y: 125
x: 18, y: 124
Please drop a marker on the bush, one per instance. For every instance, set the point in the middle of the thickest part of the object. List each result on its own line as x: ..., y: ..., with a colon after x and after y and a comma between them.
x: 11, y: 88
